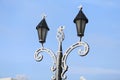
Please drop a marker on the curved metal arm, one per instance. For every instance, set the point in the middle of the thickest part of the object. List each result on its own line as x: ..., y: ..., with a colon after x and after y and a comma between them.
x: 38, y: 57
x: 82, y: 52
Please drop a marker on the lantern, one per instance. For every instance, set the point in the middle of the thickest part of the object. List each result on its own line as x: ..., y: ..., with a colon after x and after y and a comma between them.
x: 42, y: 29
x: 80, y: 21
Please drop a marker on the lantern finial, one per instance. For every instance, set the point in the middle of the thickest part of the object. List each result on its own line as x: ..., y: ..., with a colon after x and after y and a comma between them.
x: 43, y: 15
x: 80, y: 7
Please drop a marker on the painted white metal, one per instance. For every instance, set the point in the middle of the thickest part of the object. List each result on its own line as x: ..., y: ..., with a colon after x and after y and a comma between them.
x: 60, y: 37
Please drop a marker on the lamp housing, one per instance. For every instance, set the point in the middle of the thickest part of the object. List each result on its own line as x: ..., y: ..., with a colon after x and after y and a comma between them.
x: 42, y: 29
x: 80, y: 21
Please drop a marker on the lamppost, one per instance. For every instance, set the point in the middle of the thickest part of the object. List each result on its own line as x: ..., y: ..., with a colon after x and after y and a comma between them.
x: 59, y: 61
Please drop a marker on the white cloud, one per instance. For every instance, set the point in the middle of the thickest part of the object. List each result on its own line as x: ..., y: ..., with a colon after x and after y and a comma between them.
x: 82, y: 78
x: 21, y: 77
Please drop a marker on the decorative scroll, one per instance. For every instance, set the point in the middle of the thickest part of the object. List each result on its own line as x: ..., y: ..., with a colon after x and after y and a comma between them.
x: 82, y: 52
x: 60, y: 34
x: 38, y: 57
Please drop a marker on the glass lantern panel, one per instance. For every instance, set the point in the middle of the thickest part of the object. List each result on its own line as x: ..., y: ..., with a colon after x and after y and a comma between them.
x: 83, y: 26
x: 80, y: 24
x: 42, y: 32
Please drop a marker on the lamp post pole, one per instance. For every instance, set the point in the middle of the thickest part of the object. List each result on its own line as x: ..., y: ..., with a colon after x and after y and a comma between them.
x: 60, y: 67
x: 59, y: 63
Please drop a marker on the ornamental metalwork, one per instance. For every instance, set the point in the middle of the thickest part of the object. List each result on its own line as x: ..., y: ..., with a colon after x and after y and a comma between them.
x: 38, y: 57
x: 60, y: 37
x: 60, y: 34
x: 81, y: 52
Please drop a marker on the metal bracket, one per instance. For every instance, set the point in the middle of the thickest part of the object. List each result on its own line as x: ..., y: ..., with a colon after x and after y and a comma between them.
x: 81, y: 52
x: 38, y: 57
x: 60, y: 36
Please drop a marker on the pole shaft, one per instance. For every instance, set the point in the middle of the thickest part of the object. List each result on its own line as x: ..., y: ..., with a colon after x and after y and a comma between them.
x: 59, y: 63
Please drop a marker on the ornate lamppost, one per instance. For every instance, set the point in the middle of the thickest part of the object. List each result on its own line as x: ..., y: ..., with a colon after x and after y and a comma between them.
x: 59, y: 61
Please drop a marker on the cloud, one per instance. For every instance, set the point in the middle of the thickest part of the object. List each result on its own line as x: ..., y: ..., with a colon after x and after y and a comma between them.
x: 94, y: 71
x: 21, y: 77
x: 82, y: 78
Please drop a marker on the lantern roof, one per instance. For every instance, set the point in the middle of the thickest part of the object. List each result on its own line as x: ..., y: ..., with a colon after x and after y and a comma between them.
x: 81, y: 15
x: 42, y: 24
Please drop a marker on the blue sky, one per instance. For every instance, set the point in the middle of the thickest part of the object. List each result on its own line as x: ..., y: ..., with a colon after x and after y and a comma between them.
x: 19, y: 39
